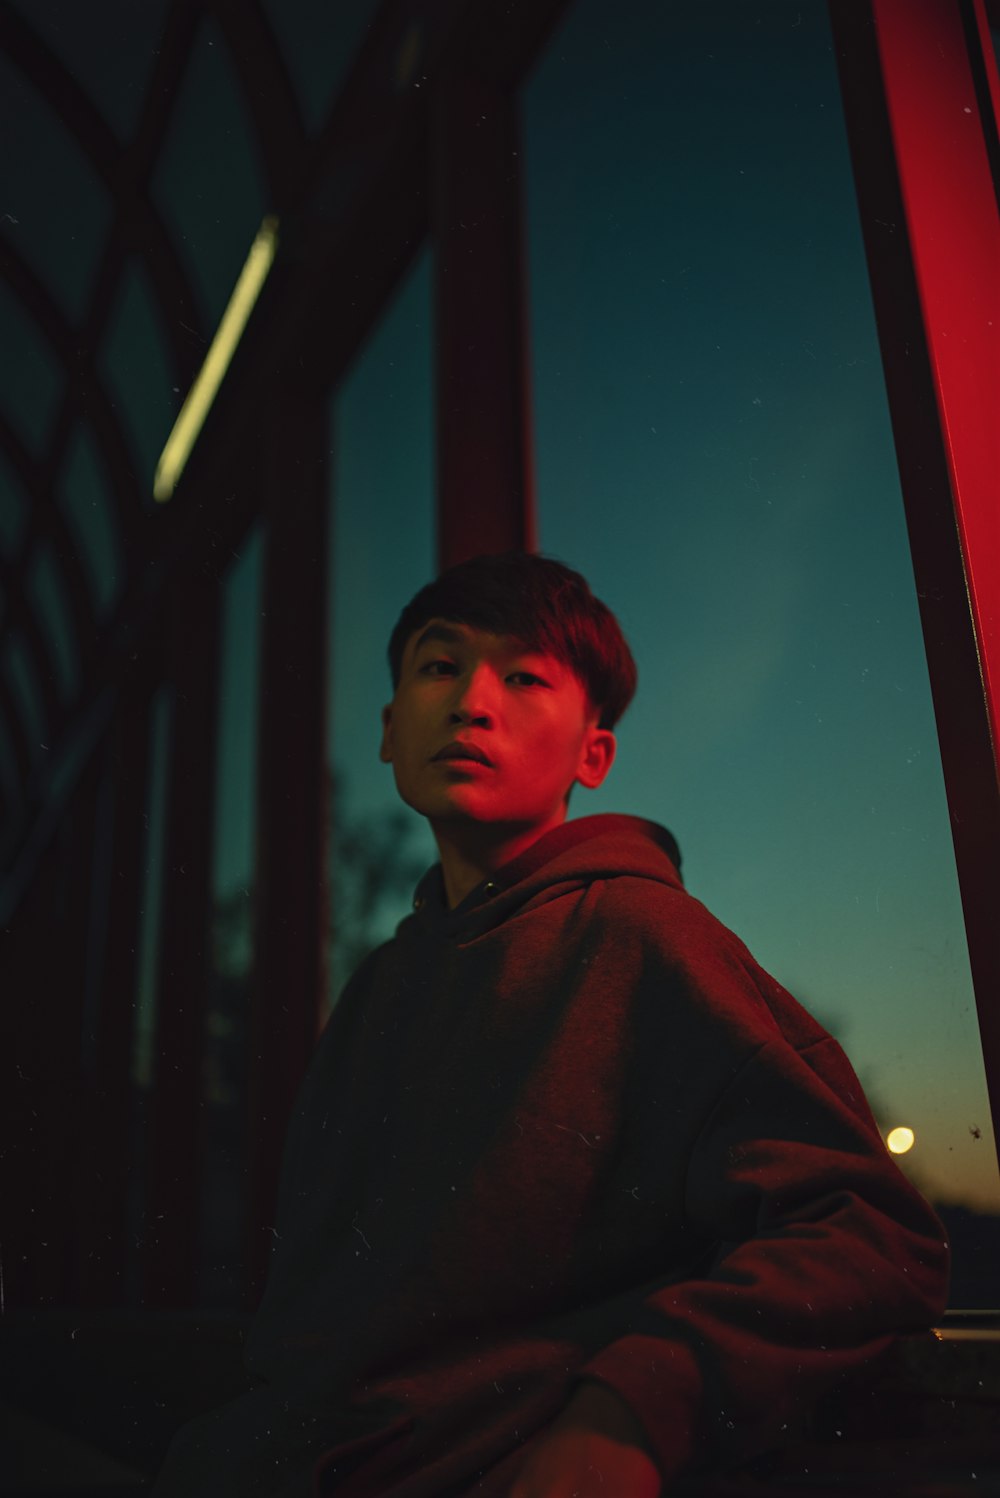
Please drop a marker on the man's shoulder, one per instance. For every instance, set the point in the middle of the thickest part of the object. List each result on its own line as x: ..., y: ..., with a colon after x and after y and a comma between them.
x: 665, y: 916
x: 672, y: 942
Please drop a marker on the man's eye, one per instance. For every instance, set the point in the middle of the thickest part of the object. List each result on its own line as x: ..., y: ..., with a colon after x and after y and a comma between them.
x: 428, y: 668
x: 531, y: 677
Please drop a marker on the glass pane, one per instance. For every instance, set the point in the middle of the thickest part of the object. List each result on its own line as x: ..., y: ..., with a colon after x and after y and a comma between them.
x: 207, y: 184
x: 59, y: 234
x: 318, y: 43
x: 382, y: 551
x: 226, y: 1054
x: 87, y: 506
x: 111, y: 61
x: 715, y: 454
x: 138, y: 374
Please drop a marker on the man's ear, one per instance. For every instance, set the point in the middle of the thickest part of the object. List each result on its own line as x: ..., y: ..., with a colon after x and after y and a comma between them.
x: 385, y: 749
x: 596, y: 757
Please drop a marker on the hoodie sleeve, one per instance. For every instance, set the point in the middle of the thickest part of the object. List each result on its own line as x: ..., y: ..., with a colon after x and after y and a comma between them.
x: 826, y: 1253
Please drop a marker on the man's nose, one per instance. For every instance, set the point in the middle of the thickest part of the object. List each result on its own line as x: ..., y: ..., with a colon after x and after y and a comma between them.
x: 475, y: 700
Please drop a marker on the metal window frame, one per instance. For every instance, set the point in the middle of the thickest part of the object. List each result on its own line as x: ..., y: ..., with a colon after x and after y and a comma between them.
x: 394, y: 164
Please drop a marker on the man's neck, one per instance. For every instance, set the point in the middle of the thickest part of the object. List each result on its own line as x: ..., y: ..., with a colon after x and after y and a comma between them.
x: 471, y: 854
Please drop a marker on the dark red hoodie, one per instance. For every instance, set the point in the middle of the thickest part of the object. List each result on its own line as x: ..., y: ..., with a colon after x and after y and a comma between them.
x: 569, y: 1130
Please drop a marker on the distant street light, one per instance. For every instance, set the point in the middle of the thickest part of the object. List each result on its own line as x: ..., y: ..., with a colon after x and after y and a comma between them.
x: 900, y: 1140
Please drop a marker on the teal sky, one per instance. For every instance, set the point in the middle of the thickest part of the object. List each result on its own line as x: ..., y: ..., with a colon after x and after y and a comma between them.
x: 714, y: 453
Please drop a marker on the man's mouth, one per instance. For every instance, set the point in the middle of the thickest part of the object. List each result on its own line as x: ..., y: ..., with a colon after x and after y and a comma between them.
x: 466, y: 752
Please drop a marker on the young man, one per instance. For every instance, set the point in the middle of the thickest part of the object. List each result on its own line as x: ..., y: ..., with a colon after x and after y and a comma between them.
x: 577, y: 1199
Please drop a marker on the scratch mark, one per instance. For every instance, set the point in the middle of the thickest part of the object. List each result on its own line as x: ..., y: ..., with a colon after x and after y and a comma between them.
x: 567, y: 1130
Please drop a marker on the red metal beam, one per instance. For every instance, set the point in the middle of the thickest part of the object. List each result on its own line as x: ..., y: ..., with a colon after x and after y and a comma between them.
x: 173, y: 1165
x: 58, y: 1001
x: 484, y: 463
x: 25, y: 1067
x: 980, y: 17
x: 949, y: 198
x: 922, y: 128
x: 269, y: 98
x: 102, y: 1186
x: 291, y: 895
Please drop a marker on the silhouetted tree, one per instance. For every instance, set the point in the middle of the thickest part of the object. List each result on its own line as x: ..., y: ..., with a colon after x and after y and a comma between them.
x: 372, y: 870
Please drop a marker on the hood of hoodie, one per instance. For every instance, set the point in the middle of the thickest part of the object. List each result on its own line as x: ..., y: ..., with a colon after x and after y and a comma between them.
x: 569, y: 857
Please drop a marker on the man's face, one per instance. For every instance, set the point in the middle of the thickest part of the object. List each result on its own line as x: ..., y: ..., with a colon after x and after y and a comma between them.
x: 522, y: 709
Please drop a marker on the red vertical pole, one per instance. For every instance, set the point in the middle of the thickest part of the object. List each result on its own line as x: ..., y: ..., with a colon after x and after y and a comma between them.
x: 41, y: 1059
x: 171, y: 1236
x: 106, y: 1121
x: 58, y: 1005
x: 23, y: 1069
x: 288, y: 976
x: 484, y: 459
x: 950, y: 202
x: 917, y: 97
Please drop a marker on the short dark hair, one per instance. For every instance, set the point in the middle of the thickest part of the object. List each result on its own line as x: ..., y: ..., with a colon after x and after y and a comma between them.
x: 542, y: 603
